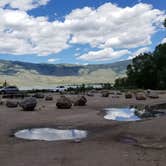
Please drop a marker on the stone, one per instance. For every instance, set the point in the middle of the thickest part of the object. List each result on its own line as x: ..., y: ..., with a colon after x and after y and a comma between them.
x: 28, y: 104
x: 11, y: 104
x: 140, y: 96
x: 105, y: 94
x: 38, y: 95
x: 81, y: 101
x: 48, y: 98
x: 128, y: 95
x: 64, y: 103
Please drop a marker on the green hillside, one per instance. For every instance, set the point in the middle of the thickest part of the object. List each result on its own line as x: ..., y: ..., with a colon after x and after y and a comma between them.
x: 29, y: 74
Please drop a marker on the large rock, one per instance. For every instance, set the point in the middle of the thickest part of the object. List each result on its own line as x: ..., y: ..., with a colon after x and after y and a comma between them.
x: 153, y: 95
x: 11, y: 104
x: 48, y: 98
x: 105, y: 94
x: 128, y: 95
x: 81, y: 101
x: 90, y: 94
x: 28, y: 104
x: 148, y: 112
x: 64, y: 103
x: 140, y: 96
x: 38, y: 95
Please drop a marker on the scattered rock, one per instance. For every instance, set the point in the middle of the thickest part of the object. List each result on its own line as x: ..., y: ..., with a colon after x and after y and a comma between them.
x: 128, y: 95
x: 11, y: 104
x: 48, y: 98
x: 153, y: 95
x: 90, y: 94
x: 39, y: 95
x: 28, y: 104
x: 105, y: 94
x: 118, y: 93
x: 64, y: 103
x: 148, y: 112
x: 81, y: 101
x: 140, y: 96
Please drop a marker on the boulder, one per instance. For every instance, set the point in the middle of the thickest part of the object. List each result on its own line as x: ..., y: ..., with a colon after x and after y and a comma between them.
x: 48, y: 98
x: 11, y: 104
x: 28, y: 104
x: 90, y: 94
x: 128, y: 95
x: 81, y: 101
x: 38, y: 95
x: 153, y: 95
x: 140, y: 96
x: 64, y: 103
x: 148, y: 112
x: 105, y: 94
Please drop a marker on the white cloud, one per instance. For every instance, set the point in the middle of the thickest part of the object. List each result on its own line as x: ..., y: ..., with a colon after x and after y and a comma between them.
x: 51, y: 60
x: 139, y: 51
x: 107, y: 28
x: 23, y: 4
x: 103, y: 55
x: 24, y: 34
x: 163, y: 41
x: 113, y: 26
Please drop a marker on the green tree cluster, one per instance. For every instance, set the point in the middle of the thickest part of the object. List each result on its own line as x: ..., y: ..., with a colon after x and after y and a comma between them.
x: 147, y: 70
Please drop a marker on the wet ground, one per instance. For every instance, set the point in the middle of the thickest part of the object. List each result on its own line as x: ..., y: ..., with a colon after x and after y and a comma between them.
x: 109, y: 142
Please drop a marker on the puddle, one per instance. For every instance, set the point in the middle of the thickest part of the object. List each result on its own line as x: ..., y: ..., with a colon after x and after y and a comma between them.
x: 50, y: 134
x: 121, y: 114
x: 128, y: 140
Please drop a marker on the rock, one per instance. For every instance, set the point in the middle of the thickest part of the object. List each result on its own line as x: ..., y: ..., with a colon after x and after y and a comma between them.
x: 118, y: 93
x: 128, y: 95
x: 38, y: 95
x: 105, y: 94
x: 11, y: 104
x: 81, y: 101
x: 148, y: 112
x: 90, y: 94
x: 28, y: 104
x: 153, y: 95
x: 115, y: 96
x: 64, y: 103
x: 48, y: 98
x: 140, y: 96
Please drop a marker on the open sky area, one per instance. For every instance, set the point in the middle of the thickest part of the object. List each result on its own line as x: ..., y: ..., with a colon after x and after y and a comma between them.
x: 79, y: 31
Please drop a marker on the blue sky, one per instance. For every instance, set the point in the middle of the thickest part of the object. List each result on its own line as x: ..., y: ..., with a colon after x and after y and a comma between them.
x: 79, y: 31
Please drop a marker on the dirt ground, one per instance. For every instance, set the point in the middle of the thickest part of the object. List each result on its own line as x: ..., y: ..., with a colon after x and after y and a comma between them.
x: 104, y: 146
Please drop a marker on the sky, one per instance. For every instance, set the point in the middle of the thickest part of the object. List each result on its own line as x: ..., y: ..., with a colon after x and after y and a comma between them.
x: 80, y: 31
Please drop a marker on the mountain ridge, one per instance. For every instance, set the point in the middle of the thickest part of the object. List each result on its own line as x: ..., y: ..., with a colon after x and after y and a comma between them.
x: 20, y: 73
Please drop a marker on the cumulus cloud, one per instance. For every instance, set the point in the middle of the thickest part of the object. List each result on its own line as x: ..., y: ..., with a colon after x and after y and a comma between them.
x: 139, y: 51
x: 51, y: 60
x: 24, y: 34
x: 23, y: 4
x: 103, y: 55
x: 107, y: 28
x: 113, y: 26
x: 163, y: 41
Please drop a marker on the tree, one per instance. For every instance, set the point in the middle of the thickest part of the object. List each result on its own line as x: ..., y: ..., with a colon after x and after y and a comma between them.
x: 160, y: 60
x: 141, y: 73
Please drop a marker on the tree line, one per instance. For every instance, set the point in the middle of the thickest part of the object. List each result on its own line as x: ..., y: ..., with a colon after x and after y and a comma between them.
x: 148, y: 70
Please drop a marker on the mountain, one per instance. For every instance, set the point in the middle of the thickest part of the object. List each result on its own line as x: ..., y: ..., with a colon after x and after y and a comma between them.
x: 26, y: 74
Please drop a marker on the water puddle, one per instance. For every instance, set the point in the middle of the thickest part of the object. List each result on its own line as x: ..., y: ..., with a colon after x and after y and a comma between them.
x: 121, y: 114
x: 128, y: 140
x: 50, y: 134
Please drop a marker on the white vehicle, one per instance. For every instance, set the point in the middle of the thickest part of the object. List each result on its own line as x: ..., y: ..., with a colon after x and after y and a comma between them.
x: 60, y: 89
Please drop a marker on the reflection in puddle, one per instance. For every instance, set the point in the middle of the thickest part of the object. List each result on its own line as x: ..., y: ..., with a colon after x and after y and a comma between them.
x: 50, y: 134
x: 128, y: 140
x: 121, y: 114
